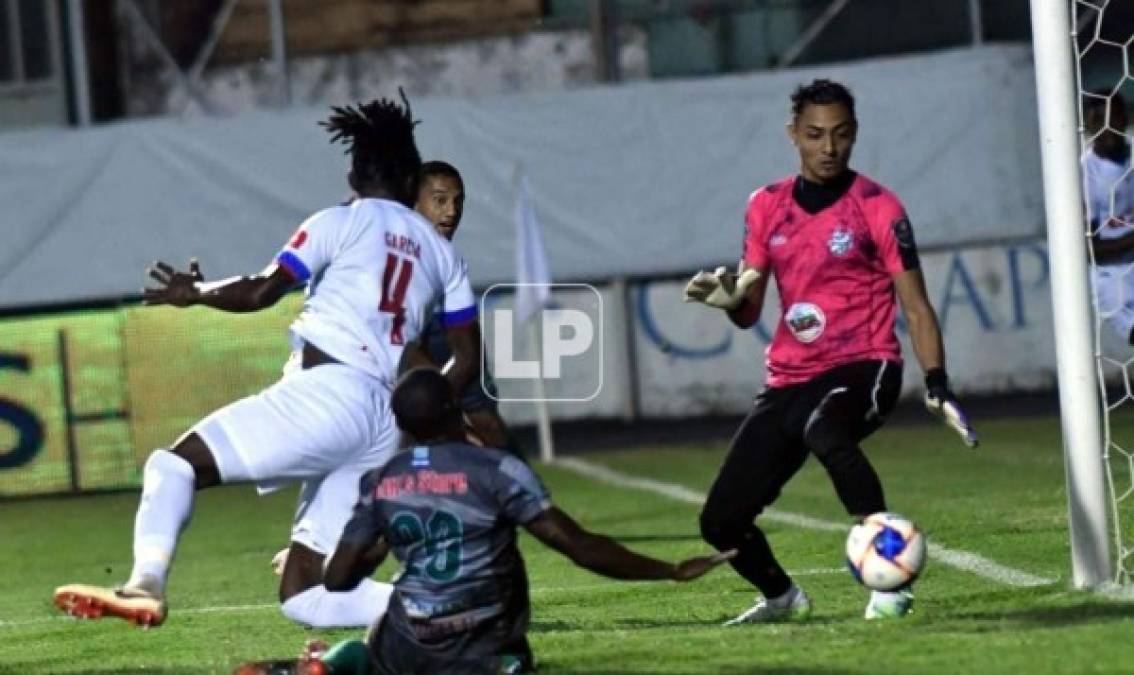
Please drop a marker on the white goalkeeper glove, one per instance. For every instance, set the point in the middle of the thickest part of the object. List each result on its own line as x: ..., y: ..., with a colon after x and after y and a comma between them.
x: 941, y: 402
x: 720, y: 288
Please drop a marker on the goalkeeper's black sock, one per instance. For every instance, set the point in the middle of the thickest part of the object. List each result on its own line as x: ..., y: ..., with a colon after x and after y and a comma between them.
x: 757, y: 564
x: 1130, y: 338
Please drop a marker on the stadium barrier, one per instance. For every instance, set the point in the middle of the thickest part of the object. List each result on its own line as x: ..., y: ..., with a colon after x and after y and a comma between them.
x: 86, y: 395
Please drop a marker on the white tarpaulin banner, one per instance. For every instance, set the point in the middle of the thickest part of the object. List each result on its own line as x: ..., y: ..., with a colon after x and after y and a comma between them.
x: 994, y: 304
x: 641, y: 179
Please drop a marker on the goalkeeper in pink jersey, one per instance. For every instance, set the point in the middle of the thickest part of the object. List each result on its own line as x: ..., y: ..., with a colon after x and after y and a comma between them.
x: 843, y: 255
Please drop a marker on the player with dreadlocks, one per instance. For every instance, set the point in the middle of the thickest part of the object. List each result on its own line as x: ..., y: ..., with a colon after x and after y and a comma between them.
x: 374, y: 268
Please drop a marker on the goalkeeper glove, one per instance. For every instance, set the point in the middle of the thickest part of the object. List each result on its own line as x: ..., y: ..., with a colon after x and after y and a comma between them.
x: 940, y: 401
x: 720, y: 288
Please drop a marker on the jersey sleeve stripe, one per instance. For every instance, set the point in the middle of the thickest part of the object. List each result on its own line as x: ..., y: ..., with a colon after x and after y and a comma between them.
x: 294, y: 266
x: 459, y: 317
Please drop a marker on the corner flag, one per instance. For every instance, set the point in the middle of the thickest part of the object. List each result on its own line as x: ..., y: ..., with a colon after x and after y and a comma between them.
x: 533, y: 292
x: 532, y: 273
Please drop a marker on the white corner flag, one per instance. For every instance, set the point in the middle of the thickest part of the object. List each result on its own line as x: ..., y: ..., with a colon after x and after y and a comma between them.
x: 533, y: 292
x: 532, y: 273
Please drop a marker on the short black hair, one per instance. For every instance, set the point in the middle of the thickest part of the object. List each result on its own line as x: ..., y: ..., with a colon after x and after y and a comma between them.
x: 437, y: 168
x: 380, y: 142
x: 821, y: 92
x: 423, y: 403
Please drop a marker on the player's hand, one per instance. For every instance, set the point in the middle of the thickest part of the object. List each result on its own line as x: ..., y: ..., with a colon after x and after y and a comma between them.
x: 943, y: 404
x: 688, y: 570
x: 721, y: 289
x: 177, y: 288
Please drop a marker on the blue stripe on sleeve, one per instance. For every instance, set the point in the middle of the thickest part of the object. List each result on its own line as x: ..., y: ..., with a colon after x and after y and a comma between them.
x: 292, y: 263
x: 459, y: 317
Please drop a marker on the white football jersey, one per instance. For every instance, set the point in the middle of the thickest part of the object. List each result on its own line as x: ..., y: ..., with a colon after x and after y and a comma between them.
x: 1102, y: 178
x: 375, y: 270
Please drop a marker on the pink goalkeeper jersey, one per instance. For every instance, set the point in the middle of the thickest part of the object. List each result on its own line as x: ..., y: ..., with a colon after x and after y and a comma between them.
x: 834, y: 271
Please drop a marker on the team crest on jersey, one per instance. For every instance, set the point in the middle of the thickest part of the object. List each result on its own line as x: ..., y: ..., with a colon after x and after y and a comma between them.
x: 903, y: 232
x: 805, y: 321
x: 420, y: 456
x: 840, y: 242
x: 777, y: 240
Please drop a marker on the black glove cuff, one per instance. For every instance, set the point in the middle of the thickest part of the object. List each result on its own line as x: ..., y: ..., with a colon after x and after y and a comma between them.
x: 936, y: 379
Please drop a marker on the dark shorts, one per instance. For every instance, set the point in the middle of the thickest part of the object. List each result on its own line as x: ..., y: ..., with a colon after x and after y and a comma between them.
x: 857, y: 396
x: 473, y: 654
x: 828, y: 416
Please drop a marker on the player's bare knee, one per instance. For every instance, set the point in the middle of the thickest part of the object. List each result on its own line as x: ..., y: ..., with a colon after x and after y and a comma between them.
x: 304, y: 570
x: 193, y: 449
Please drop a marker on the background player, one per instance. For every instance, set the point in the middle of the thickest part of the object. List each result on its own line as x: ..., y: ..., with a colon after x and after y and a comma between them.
x: 839, y: 245
x: 441, y: 199
x: 1106, y: 172
x: 449, y: 512
x: 374, y: 267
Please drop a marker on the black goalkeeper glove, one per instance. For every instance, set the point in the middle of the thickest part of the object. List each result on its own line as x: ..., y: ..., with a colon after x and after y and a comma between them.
x: 940, y: 401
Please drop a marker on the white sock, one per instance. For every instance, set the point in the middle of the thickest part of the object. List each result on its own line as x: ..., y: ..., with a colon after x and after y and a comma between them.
x: 167, y: 502
x: 891, y: 595
x: 319, y: 608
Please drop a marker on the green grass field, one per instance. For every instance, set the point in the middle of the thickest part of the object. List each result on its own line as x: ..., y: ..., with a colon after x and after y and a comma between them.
x: 1005, y: 502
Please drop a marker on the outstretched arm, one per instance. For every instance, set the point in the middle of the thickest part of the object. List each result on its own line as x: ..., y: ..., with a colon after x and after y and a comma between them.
x: 603, y: 555
x: 238, y: 294
x: 747, y: 313
x: 740, y: 295
x: 925, y: 334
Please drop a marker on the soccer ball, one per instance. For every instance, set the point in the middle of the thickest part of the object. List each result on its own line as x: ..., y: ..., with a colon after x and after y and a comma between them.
x: 885, y: 552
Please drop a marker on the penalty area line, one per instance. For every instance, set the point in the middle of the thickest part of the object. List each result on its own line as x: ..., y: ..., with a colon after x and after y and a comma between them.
x: 955, y: 558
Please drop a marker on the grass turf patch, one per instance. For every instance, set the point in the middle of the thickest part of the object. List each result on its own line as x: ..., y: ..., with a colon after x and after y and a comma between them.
x: 1005, y: 501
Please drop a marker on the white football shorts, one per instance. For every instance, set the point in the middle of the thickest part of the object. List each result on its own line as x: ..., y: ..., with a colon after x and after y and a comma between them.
x: 324, y: 426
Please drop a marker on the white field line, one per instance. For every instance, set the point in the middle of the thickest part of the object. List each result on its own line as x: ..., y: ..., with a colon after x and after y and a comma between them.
x: 236, y: 609
x: 962, y: 560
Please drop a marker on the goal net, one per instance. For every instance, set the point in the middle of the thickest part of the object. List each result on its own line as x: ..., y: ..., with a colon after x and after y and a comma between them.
x: 1104, y: 57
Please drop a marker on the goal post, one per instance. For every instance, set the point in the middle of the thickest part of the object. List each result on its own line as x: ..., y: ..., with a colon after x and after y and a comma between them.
x: 1057, y: 101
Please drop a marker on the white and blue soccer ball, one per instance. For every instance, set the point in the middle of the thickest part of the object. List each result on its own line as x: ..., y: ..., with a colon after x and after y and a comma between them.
x: 885, y: 551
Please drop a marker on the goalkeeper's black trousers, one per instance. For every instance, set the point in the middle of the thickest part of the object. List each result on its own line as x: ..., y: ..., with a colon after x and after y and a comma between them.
x: 826, y: 416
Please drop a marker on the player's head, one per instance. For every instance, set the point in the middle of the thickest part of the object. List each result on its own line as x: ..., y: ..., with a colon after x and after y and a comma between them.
x: 424, y: 407
x: 823, y: 128
x: 441, y: 196
x: 1105, y: 117
x: 384, y: 161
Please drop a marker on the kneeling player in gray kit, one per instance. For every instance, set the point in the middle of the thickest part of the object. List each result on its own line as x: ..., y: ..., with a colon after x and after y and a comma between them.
x: 449, y: 510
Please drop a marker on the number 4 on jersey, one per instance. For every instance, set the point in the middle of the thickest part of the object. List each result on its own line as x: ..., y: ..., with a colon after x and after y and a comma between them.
x: 394, y: 293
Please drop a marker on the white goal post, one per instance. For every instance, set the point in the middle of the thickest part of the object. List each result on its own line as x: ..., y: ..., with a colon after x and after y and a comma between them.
x: 1067, y: 233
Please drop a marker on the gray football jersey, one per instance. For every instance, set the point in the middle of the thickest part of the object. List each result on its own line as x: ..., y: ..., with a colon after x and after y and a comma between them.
x: 449, y: 513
